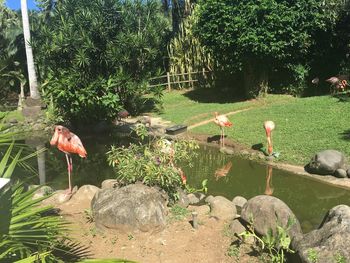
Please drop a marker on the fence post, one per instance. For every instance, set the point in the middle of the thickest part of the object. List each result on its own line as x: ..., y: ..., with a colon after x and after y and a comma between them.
x: 168, y: 79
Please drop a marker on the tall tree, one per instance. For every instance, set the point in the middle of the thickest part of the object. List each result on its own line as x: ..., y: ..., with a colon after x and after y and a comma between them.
x: 33, y: 83
x: 256, y: 37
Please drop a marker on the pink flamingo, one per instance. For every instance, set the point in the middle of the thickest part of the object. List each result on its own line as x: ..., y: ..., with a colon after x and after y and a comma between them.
x: 222, y: 121
x: 223, y: 171
x: 68, y: 143
x: 269, y: 126
x: 338, y: 83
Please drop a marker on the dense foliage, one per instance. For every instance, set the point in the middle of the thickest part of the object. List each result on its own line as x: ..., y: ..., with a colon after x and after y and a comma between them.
x: 188, y: 55
x: 11, y: 52
x: 98, y: 55
x: 26, y: 228
x: 256, y: 37
x: 155, y: 163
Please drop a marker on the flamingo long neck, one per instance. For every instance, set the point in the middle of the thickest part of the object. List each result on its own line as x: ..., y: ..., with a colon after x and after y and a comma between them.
x: 269, y: 141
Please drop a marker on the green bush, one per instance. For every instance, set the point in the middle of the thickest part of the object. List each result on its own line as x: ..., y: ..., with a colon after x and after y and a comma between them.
x: 154, y: 163
x: 96, y: 56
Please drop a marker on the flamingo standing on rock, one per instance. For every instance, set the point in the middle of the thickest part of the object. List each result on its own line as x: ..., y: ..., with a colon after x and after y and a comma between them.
x: 222, y: 121
x: 68, y: 143
x: 269, y: 126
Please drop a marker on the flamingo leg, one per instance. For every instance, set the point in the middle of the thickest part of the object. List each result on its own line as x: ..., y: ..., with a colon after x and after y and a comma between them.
x: 70, y: 167
x: 223, y: 138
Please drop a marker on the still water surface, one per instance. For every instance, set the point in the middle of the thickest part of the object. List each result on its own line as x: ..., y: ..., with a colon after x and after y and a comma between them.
x: 308, y: 199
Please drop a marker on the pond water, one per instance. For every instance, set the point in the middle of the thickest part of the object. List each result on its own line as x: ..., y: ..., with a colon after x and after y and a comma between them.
x: 308, y: 199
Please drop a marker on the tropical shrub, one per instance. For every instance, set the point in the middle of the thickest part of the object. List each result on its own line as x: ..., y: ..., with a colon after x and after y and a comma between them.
x: 155, y: 163
x: 11, y: 52
x: 96, y: 56
x: 256, y: 37
x: 187, y: 54
x: 30, y: 232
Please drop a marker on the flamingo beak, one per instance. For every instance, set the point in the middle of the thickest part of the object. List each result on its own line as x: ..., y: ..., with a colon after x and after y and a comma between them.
x: 54, y: 138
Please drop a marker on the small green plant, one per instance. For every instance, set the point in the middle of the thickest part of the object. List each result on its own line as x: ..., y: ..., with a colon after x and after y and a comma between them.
x: 234, y: 251
x: 93, y: 231
x: 312, y: 255
x: 155, y: 162
x: 178, y: 213
x: 275, y: 243
x: 204, y: 188
x: 339, y: 258
x: 88, y: 215
x: 130, y: 237
x: 114, y: 240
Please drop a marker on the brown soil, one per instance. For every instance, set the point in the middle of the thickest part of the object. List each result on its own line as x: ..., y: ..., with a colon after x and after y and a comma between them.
x: 179, y: 242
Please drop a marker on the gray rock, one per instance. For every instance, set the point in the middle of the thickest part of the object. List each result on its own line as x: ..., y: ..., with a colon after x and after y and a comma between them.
x: 326, y: 162
x: 340, y: 173
x: 222, y: 208
x: 110, y: 183
x: 227, y: 151
x: 195, y: 198
x: 267, y: 212
x: 42, y: 191
x: 85, y: 193
x: 348, y: 173
x: 236, y: 227
x: 130, y: 208
x: 201, y: 210
x: 183, y: 201
x: 209, y: 198
x: 31, y: 113
x: 239, y: 202
x: 331, y: 239
x: 192, y: 199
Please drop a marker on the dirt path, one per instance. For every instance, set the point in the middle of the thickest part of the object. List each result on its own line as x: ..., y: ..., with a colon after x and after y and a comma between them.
x: 179, y: 242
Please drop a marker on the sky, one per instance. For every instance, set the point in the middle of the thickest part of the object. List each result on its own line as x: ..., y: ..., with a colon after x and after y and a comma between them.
x: 16, y: 4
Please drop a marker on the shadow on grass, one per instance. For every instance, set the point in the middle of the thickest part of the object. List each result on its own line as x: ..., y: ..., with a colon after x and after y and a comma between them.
x: 213, y: 95
x: 148, y: 105
x: 257, y: 146
x: 214, y: 138
x: 342, y: 97
x: 345, y: 135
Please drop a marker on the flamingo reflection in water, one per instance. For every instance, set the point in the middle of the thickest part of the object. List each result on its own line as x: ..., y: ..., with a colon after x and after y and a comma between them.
x: 268, y: 187
x: 223, y: 171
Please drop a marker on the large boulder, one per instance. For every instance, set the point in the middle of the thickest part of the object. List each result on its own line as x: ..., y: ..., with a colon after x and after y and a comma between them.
x: 330, y: 240
x: 222, y: 208
x: 326, y: 162
x: 239, y: 202
x: 268, y: 212
x: 85, y: 194
x: 130, y: 208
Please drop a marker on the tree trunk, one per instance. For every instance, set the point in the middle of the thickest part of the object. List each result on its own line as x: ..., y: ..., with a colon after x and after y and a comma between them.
x: 33, y: 83
x: 255, y: 79
x: 41, y: 163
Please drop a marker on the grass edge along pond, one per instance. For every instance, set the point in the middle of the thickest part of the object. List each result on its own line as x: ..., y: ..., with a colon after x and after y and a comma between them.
x: 304, y: 126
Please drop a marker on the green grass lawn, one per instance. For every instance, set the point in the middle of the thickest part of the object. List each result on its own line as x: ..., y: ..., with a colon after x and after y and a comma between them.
x: 303, y: 125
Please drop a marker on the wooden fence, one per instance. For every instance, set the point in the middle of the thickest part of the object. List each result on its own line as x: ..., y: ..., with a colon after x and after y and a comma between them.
x: 179, y: 78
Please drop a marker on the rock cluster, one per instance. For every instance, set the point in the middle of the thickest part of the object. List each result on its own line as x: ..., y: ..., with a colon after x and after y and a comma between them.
x: 329, y: 162
x: 141, y: 208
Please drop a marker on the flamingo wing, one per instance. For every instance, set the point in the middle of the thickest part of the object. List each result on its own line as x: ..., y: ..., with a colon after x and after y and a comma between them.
x: 223, y: 121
